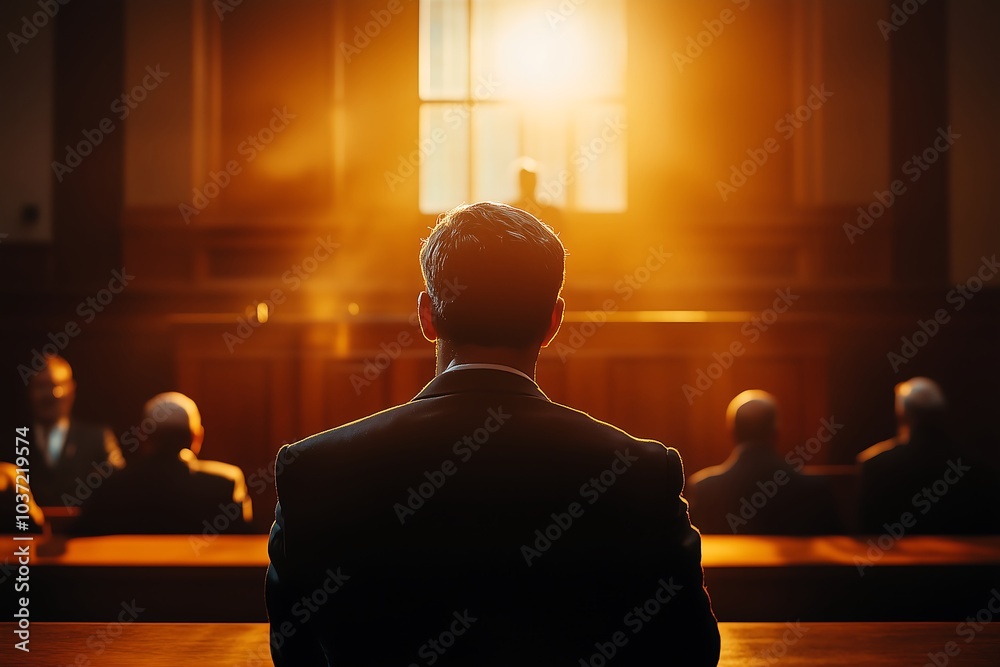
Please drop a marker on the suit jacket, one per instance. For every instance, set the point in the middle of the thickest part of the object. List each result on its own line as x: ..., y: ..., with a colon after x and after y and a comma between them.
x: 169, y: 494
x: 756, y: 492
x: 945, y: 490
x: 482, y: 524
x: 88, y: 457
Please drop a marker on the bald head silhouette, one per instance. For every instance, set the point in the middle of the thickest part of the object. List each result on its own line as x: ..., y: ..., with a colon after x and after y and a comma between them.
x: 178, y: 423
x: 920, y: 405
x: 752, y: 418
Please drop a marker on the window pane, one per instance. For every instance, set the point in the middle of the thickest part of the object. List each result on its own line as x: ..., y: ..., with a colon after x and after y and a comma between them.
x: 444, y: 150
x: 444, y: 49
x: 546, y: 140
x: 554, y: 51
x: 600, y: 158
x: 496, y: 138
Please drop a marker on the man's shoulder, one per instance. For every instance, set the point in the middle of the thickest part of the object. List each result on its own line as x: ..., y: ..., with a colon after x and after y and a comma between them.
x: 547, y: 416
x: 217, y: 470
x: 709, y: 478
x: 878, y: 449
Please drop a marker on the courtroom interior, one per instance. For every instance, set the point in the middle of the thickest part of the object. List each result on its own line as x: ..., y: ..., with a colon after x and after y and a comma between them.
x: 781, y: 223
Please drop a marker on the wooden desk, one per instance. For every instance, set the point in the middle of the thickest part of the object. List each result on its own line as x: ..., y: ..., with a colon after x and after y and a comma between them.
x: 743, y: 644
x: 718, y: 551
x: 750, y: 578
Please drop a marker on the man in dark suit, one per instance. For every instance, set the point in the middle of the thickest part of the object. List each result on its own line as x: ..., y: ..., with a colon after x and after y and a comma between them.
x: 165, y: 488
x: 921, y: 482
x: 481, y: 523
x: 756, y: 491
x: 69, y: 458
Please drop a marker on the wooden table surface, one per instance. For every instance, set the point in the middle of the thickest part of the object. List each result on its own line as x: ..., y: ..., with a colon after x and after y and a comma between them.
x: 717, y: 551
x: 743, y: 644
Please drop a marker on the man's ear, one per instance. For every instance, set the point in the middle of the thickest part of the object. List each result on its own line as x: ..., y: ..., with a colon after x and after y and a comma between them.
x: 426, y: 317
x: 558, y: 310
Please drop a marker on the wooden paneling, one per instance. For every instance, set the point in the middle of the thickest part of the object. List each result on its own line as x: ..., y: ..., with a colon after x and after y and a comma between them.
x: 300, y: 376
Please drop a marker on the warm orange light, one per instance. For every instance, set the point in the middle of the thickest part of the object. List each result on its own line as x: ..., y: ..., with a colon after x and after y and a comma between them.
x: 262, y: 313
x: 537, y: 54
x: 535, y: 61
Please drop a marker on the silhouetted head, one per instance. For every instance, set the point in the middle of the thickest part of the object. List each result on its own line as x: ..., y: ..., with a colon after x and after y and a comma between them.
x: 51, y: 391
x: 920, y: 405
x: 177, y: 424
x: 493, y: 274
x: 752, y: 418
x: 527, y: 180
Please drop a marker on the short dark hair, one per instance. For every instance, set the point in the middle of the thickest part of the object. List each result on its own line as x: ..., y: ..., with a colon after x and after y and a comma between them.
x: 493, y: 273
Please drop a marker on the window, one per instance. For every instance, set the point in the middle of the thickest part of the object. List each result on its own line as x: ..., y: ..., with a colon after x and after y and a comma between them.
x: 505, y: 80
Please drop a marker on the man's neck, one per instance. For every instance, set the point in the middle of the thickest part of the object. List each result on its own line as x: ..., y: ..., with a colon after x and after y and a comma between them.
x: 449, y: 355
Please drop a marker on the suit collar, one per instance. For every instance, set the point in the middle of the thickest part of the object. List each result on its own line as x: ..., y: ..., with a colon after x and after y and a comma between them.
x: 469, y: 380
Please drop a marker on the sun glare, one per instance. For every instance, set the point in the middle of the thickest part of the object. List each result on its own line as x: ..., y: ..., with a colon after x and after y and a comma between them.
x: 533, y: 60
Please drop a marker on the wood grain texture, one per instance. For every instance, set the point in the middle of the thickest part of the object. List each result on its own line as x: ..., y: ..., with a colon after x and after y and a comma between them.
x: 743, y: 644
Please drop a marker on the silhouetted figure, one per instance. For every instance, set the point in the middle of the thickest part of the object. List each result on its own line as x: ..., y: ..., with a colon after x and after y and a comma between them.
x: 68, y: 457
x: 481, y: 523
x: 528, y: 197
x: 756, y: 491
x: 166, y: 488
x: 920, y: 479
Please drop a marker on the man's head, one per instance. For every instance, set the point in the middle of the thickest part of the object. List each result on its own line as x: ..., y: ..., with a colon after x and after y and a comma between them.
x: 493, y: 274
x: 920, y: 404
x: 51, y: 391
x: 178, y: 423
x: 752, y: 418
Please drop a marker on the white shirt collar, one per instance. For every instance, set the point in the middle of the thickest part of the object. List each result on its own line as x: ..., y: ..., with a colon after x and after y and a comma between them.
x: 497, y: 367
x: 55, y: 440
